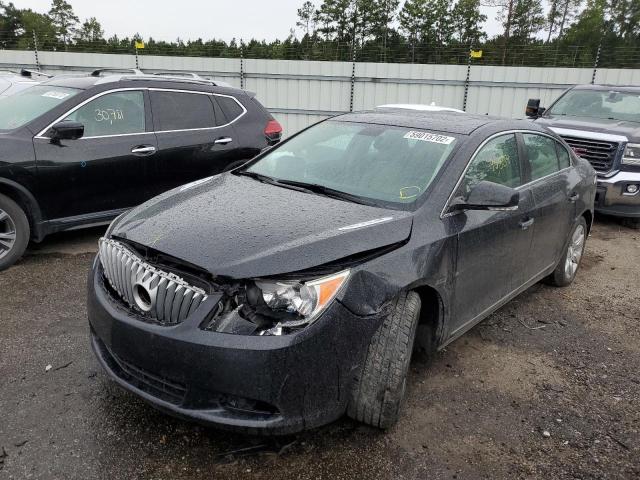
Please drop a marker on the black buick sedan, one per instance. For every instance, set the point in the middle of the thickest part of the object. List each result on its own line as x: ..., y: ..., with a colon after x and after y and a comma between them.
x: 279, y: 296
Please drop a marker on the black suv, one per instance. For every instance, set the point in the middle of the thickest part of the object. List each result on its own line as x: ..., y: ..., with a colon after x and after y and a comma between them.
x: 77, y: 151
x: 602, y: 125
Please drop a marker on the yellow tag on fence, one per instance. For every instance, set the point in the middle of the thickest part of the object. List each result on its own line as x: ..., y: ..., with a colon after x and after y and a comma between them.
x: 139, y: 45
x: 476, y: 53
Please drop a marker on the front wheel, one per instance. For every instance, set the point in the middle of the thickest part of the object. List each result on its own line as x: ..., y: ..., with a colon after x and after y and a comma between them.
x: 565, y: 272
x: 14, y: 232
x: 378, y: 393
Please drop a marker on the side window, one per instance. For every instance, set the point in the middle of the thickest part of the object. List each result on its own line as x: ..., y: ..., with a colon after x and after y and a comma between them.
x: 542, y: 155
x: 181, y: 111
x: 563, y: 156
x: 230, y: 107
x: 497, y: 162
x: 112, y: 114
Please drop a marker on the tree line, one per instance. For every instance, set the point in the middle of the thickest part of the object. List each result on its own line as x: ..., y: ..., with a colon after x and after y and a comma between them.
x: 533, y: 32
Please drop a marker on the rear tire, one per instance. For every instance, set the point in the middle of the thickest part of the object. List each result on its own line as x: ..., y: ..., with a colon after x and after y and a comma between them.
x: 565, y: 272
x: 14, y: 232
x: 377, y: 396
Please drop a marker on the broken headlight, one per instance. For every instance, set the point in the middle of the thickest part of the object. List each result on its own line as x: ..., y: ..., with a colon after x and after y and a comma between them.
x: 272, y: 307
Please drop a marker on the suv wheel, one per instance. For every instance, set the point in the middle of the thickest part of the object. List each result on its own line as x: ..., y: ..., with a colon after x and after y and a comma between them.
x: 565, y: 272
x: 378, y: 394
x: 14, y: 232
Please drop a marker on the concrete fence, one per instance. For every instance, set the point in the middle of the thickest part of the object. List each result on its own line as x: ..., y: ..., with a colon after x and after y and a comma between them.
x: 300, y: 93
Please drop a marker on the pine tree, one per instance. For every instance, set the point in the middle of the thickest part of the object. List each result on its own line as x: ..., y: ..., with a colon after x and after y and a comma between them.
x: 90, y: 31
x: 306, y: 15
x: 63, y: 18
x: 467, y: 21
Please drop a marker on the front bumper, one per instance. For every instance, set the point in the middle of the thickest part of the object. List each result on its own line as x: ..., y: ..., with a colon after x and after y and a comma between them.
x: 270, y: 385
x: 611, y: 196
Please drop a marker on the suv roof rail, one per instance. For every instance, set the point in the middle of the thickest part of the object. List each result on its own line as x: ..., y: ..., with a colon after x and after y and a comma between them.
x: 192, y: 75
x: 25, y: 72
x: 163, y: 78
x: 99, y: 71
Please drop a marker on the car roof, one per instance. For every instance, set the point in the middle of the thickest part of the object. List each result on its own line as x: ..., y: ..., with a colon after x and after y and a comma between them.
x: 442, y: 121
x: 607, y: 87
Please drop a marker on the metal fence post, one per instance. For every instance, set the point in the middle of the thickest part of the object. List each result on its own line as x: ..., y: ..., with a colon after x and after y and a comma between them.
x: 466, y: 82
x: 35, y: 50
x: 353, y: 77
x: 595, y: 65
x: 241, y: 64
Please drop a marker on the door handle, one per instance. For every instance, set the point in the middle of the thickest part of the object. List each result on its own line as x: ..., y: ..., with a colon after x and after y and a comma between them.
x: 573, y: 198
x: 144, y: 150
x: 223, y: 140
x: 525, y: 224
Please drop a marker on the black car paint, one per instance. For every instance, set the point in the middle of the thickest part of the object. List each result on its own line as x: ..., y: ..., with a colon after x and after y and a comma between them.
x: 471, y: 261
x: 75, y: 183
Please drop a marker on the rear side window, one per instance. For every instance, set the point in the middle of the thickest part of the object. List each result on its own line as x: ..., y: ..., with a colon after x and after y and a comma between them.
x: 181, y: 111
x: 496, y: 162
x: 542, y: 155
x: 563, y: 156
x: 230, y: 107
x: 116, y: 113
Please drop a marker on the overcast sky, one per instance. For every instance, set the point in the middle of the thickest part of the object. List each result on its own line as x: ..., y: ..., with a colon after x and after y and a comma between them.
x: 191, y: 19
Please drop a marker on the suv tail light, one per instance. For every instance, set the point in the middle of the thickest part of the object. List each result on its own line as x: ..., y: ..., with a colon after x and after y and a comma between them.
x: 273, y: 132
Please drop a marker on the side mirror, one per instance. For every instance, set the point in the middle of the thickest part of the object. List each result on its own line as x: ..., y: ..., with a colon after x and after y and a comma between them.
x: 67, y: 131
x: 488, y: 196
x: 534, y: 110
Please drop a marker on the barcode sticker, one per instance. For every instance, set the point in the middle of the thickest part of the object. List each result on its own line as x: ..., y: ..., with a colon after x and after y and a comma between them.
x: 429, y: 137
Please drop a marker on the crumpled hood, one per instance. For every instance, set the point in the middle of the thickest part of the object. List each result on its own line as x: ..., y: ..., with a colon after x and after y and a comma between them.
x: 241, y: 228
x: 601, y: 125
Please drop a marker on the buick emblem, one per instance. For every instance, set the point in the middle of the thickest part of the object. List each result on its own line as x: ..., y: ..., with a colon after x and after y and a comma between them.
x: 144, y: 294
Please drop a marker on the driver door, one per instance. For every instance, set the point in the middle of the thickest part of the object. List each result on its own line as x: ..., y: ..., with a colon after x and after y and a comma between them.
x: 492, y: 246
x: 104, y: 171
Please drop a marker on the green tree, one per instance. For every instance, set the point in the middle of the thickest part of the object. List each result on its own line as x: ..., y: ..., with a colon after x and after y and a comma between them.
x: 90, y: 31
x: 467, y: 22
x: 64, y: 19
x: 306, y: 17
x: 528, y: 19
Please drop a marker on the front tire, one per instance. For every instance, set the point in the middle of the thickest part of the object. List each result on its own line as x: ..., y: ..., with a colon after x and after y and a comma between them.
x: 378, y: 394
x: 14, y: 232
x: 565, y: 272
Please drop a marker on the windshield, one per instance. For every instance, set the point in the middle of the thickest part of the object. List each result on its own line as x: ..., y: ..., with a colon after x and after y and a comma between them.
x: 609, y: 104
x: 19, y: 109
x: 377, y: 162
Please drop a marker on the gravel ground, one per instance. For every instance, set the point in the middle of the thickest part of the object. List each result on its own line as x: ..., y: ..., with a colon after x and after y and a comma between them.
x: 548, y: 387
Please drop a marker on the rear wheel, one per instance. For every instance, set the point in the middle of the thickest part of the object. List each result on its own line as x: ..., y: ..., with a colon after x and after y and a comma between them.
x: 14, y: 232
x: 378, y: 394
x: 565, y: 272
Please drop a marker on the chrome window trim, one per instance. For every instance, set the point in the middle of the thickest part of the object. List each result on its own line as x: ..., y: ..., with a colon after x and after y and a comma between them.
x: 41, y: 134
x: 443, y: 213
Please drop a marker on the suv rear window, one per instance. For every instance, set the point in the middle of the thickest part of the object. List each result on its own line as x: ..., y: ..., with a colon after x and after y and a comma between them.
x: 230, y: 107
x: 181, y: 111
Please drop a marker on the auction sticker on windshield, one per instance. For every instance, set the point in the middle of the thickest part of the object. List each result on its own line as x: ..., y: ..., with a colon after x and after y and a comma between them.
x: 56, y: 95
x: 429, y: 137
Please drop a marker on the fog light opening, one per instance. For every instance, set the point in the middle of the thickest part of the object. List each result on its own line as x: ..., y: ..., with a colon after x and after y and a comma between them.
x: 633, y: 188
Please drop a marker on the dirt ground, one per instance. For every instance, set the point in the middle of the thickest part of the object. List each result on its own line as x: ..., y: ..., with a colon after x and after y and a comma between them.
x: 548, y: 387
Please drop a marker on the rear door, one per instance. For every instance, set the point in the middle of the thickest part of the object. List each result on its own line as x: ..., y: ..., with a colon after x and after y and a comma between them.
x: 554, y: 184
x: 493, y: 246
x: 195, y: 140
x: 105, y: 170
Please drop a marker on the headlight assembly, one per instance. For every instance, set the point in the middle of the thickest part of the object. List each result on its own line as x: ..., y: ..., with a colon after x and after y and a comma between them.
x: 272, y: 307
x: 631, y: 154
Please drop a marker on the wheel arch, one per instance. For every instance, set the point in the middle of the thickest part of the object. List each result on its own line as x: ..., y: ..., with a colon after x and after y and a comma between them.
x: 432, y: 312
x: 25, y: 199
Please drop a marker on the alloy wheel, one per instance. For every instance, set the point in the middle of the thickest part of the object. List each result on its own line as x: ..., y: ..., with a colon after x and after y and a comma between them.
x: 574, y: 252
x: 7, y: 233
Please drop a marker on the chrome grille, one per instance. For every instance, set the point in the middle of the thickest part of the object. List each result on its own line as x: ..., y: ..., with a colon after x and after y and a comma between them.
x: 159, y: 295
x: 600, y: 153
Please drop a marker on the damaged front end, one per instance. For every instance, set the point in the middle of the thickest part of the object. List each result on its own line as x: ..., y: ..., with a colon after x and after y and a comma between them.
x: 274, y: 307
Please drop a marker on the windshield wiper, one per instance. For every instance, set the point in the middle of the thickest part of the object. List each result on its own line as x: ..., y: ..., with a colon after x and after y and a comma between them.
x: 270, y: 180
x: 327, y: 191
